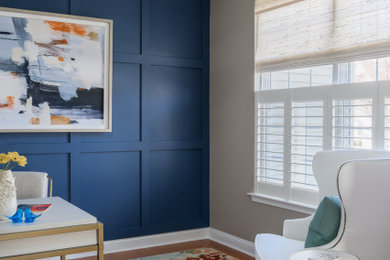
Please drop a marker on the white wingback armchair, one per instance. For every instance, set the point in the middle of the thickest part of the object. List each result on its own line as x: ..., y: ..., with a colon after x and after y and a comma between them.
x: 364, y: 192
x: 361, y: 198
x: 32, y: 184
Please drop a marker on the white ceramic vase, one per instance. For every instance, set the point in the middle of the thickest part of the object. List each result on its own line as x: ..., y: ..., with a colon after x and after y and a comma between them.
x: 8, y: 203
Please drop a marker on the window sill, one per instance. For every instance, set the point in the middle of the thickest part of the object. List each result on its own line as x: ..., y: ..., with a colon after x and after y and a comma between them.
x: 280, y: 203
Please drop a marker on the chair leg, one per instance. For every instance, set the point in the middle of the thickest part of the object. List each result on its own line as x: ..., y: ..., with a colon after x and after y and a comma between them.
x: 50, y: 186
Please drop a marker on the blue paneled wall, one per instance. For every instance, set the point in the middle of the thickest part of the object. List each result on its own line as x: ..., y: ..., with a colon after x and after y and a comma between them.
x: 150, y: 174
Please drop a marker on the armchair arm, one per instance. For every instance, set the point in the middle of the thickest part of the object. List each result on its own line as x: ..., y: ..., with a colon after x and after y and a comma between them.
x: 297, y: 228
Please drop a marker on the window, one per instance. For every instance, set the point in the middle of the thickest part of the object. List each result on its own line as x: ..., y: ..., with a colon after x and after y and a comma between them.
x: 310, y: 95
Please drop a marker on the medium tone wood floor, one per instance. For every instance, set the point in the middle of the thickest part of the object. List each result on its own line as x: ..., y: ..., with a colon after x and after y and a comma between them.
x: 157, y: 250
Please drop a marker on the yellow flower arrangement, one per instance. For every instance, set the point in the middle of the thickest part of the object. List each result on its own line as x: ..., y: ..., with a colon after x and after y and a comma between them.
x: 11, y: 160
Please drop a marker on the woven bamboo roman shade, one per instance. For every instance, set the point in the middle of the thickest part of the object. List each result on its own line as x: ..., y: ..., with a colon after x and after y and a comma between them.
x: 303, y: 33
x: 267, y: 5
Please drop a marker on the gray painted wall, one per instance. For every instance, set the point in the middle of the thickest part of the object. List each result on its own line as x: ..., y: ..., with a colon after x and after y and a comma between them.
x: 232, y: 125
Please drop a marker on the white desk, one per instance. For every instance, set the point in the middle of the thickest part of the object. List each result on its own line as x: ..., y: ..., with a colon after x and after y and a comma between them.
x: 63, y: 229
x: 313, y: 254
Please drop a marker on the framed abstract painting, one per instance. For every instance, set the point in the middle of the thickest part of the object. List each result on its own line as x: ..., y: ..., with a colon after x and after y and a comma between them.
x: 55, y: 72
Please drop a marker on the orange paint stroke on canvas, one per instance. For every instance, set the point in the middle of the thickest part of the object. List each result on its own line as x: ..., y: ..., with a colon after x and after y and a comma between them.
x: 56, y: 42
x: 10, y: 103
x: 59, y: 26
x: 54, y: 120
x: 79, y: 29
x: 60, y: 120
x: 67, y: 27
x: 34, y: 121
x: 93, y: 36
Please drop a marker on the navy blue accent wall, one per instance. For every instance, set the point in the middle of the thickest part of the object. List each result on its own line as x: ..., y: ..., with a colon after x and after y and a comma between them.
x: 149, y: 175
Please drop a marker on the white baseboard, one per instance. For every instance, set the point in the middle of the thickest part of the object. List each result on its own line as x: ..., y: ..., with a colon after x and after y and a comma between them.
x: 127, y: 244
x: 231, y: 241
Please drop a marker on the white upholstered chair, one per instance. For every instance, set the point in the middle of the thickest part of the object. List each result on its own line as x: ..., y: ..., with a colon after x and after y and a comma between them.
x: 363, y: 185
x: 32, y: 184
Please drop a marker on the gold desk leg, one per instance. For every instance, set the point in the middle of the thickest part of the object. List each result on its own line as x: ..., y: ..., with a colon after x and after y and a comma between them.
x: 63, y: 257
x: 100, y: 238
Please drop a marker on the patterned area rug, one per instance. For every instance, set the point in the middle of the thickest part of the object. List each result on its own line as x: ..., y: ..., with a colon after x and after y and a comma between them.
x: 205, y: 253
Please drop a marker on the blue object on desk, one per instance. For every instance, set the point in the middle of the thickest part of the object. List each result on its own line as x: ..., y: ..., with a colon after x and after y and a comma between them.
x: 29, y: 217
x: 17, y: 217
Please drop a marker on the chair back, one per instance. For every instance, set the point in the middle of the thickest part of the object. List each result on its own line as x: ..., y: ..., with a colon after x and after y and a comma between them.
x: 31, y: 184
x: 326, y: 165
x: 364, y: 191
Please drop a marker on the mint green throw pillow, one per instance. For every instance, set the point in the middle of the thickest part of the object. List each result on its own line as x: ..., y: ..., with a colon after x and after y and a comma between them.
x: 326, y: 222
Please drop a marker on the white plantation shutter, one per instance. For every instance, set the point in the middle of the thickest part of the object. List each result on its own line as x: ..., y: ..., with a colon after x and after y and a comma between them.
x: 387, y: 123
x: 352, y: 124
x: 313, y: 32
x: 270, y: 143
x: 306, y: 140
x: 294, y: 124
